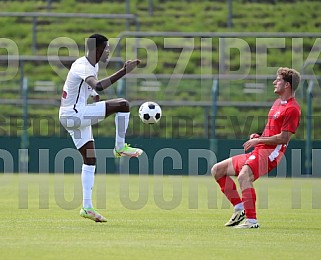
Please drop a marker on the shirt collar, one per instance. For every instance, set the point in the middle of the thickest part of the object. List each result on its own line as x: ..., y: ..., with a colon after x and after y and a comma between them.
x: 284, y: 102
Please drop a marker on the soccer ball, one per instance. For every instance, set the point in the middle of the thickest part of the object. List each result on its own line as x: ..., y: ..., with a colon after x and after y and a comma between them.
x: 150, y: 112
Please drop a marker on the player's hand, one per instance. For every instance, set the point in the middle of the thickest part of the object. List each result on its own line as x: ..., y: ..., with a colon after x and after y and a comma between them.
x: 96, y: 98
x: 255, y: 135
x: 130, y: 65
x: 250, y: 144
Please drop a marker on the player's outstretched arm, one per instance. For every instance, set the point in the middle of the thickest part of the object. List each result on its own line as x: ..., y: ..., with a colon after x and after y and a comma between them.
x: 102, y: 84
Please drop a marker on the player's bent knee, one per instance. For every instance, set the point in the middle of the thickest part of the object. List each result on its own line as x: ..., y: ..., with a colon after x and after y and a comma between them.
x: 215, y: 171
x: 124, y: 103
x: 241, y: 177
x: 244, y: 178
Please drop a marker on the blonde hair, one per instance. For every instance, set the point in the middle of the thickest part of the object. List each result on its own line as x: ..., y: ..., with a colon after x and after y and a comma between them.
x: 290, y: 75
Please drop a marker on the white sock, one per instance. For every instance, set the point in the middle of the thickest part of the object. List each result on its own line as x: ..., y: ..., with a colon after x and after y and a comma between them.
x: 87, y: 180
x: 252, y: 220
x: 238, y: 207
x: 121, y: 122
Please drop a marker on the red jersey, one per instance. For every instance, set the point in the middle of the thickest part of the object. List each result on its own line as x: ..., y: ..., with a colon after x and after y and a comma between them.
x: 283, y: 116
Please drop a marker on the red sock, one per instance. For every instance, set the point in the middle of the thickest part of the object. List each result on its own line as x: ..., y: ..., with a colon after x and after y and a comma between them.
x: 249, y: 200
x: 228, y: 187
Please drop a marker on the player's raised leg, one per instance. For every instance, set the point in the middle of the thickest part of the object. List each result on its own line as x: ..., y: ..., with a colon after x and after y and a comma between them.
x: 120, y: 107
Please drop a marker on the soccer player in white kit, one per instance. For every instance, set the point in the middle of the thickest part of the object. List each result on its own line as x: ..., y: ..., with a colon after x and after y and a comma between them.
x: 77, y: 117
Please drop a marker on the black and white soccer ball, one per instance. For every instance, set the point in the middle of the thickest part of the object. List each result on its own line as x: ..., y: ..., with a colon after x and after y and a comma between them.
x: 150, y: 112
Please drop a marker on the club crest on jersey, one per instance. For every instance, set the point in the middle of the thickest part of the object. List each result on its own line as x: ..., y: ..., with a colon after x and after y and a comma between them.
x: 276, y: 115
x: 64, y: 94
x: 252, y: 157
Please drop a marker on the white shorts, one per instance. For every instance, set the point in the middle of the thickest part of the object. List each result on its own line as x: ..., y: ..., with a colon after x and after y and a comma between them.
x: 78, y: 124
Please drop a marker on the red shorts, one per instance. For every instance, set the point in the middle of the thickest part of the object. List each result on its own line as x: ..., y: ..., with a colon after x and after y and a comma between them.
x: 261, y: 161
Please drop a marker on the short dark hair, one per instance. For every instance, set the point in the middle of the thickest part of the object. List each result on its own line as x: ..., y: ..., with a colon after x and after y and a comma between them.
x: 96, y: 40
x: 290, y: 75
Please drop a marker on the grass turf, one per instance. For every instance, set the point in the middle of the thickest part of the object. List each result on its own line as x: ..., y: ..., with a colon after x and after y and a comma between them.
x: 149, y: 219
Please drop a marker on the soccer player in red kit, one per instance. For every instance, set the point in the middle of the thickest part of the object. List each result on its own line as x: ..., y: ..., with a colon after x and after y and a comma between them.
x: 269, y: 147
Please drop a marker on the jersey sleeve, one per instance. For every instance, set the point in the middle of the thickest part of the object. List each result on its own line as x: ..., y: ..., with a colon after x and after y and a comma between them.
x: 93, y: 93
x: 84, y: 71
x: 291, y: 120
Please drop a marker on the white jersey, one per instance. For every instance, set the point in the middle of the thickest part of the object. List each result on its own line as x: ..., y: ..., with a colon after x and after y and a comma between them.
x: 76, y: 91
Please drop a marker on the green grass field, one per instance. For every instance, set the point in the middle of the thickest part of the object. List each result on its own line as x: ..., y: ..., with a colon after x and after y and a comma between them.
x: 155, y: 218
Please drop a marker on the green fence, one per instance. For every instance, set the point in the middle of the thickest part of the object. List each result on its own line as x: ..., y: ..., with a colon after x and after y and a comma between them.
x: 162, y: 156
